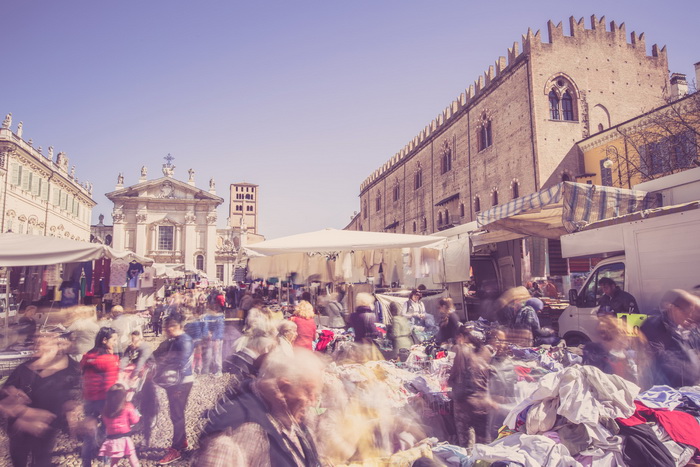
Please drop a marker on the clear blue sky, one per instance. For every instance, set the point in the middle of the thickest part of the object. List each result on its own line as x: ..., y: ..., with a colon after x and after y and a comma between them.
x: 304, y: 98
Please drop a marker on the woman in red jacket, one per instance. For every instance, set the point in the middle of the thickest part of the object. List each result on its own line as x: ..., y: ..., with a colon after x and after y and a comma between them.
x: 306, y: 327
x: 100, y: 368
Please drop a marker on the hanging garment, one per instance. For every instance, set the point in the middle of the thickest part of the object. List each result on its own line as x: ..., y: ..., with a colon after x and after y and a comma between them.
x: 100, y: 275
x: 117, y: 273
x: 133, y: 273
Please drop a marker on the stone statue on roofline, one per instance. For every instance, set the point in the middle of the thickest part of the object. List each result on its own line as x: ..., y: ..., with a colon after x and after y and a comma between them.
x: 191, y: 175
x: 144, y: 171
x: 19, y: 130
x: 120, y: 179
x: 212, y: 184
x: 7, y: 123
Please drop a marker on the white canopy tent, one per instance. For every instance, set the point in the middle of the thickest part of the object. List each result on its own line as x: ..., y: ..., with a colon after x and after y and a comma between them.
x: 343, y: 254
x: 34, y: 250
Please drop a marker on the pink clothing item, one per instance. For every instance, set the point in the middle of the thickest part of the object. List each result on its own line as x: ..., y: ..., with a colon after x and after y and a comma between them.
x: 122, y: 423
x: 118, y: 448
x: 306, y: 332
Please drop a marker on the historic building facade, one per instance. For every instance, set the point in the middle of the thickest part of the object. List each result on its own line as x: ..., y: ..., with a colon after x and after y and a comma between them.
x: 39, y: 192
x: 508, y: 133
x: 166, y: 219
x: 174, y: 222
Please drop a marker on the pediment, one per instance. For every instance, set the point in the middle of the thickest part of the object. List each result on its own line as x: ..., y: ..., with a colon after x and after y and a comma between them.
x: 165, y: 189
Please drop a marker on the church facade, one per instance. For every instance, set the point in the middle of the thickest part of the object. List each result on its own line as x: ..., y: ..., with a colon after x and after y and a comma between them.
x: 166, y: 219
x: 515, y: 130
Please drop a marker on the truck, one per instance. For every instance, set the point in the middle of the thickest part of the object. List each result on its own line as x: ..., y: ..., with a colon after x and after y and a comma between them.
x: 646, y: 253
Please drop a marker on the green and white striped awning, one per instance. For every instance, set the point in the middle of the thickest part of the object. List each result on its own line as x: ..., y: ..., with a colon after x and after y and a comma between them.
x: 564, y: 208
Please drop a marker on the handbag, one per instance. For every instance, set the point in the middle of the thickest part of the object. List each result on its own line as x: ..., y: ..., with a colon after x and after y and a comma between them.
x: 167, y: 374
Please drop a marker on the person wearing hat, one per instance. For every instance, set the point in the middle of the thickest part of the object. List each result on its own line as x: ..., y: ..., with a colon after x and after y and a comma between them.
x: 527, y: 319
x: 673, y: 342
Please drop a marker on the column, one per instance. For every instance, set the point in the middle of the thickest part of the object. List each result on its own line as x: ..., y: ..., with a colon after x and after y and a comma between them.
x: 210, y: 245
x: 190, y: 239
x: 141, y: 234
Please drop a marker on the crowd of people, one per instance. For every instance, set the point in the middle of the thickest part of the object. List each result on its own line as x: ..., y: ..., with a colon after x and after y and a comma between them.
x: 97, y: 377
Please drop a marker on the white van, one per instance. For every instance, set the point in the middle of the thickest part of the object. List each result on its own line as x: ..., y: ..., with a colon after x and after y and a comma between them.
x: 649, y: 252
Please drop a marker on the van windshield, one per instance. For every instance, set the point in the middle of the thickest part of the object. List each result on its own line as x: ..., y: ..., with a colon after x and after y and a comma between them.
x: 590, y: 294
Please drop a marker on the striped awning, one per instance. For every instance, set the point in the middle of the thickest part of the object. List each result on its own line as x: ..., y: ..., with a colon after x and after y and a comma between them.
x: 564, y: 208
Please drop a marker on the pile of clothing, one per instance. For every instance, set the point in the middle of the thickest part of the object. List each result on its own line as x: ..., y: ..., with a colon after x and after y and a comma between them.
x: 580, y: 416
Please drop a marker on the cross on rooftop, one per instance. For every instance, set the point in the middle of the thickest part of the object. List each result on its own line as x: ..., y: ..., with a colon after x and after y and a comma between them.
x: 169, y: 159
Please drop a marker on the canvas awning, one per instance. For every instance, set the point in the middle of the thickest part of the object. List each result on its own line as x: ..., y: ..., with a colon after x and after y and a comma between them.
x: 36, y: 250
x: 564, y: 208
x: 344, y: 254
x: 335, y: 241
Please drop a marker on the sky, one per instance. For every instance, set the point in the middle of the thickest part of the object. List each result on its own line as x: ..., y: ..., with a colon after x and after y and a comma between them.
x: 303, y: 98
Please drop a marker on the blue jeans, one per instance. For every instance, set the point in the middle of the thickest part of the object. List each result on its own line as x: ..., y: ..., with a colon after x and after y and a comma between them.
x: 91, y: 442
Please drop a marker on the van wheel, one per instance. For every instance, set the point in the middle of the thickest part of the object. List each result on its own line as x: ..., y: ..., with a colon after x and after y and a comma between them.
x: 576, y: 339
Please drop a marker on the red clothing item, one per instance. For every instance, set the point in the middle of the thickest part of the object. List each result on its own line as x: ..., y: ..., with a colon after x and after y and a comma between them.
x: 122, y: 423
x: 306, y: 332
x: 221, y: 301
x: 681, y: 427
x: 100, y: 372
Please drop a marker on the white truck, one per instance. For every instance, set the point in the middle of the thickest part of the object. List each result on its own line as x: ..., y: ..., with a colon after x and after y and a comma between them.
x: 646, y: 254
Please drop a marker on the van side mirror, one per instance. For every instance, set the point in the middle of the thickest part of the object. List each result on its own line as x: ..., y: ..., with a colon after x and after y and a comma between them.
x: 573, y: 297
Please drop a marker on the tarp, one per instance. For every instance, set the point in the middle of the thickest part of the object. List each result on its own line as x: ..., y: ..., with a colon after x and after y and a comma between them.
x: 564, y: 208
x: 36, y: 250
x: 335, y: 241
x: 346, y: 255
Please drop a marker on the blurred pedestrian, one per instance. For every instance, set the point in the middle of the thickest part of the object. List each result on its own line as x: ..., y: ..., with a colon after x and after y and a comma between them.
x: 449, y: 322
x: 363, y: 319
x: 100, y: 368
x: 306, y: 327
x: 119, y: 416
x: 175, y: 356
x: 36, y: 398
x: 399, y: 331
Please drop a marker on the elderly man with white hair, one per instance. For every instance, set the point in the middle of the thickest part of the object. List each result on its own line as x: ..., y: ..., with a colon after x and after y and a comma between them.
x: 264, y: 424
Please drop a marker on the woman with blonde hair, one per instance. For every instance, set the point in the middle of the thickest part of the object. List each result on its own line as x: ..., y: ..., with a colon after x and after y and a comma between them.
x: 306, y: 326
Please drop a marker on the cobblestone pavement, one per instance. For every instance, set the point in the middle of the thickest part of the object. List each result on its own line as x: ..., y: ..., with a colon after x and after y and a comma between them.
x: 205, y: 391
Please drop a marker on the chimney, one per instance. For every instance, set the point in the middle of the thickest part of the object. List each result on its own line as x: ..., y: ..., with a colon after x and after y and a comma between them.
x: 679, y: 85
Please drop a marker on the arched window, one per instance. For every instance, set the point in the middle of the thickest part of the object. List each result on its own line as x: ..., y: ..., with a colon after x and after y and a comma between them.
x: 418, y: 178
x: 397, y: 191
x: 516, y: 190
x: 199, y: 262
x: 364, y: 209
x: 561, y: 95
x: 494, y: 198
x: 379, y: 202
x: 439, y: 218
x: 424, y: 224
x: 565, y: 178
x: 447, y: 216
x: 485, y: 137
x: 445, y: 158
x: 477, y: 204
x: 567, y: 106
x: 461, y: 210
x: 553, y: 105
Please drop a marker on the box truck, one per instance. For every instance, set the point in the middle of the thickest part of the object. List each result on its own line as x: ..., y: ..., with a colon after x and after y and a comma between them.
x: 646, y: 253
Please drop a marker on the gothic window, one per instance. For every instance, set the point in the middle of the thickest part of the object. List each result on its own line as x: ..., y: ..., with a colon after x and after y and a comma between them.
x: 494, y: 198
x: 561, y: 97
x: 396, y: 191
x: 553, y: 105
x: 445, y: 158
x: 414, y: 227
x: 166, y: 237
x: 418, y: 178
x: 364, y: 210
x: 485, y: 136
x: 199, y: 260
x: 378, y: 206
x: 567, y: 106
x: 565, y: 178
x: 461, y: 210
x: 424, y: 224
x: 447, y: 216
x: 439, y: 218
x: 516, y: 189
x: 477, y: 204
